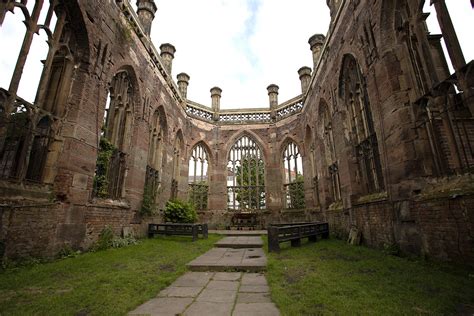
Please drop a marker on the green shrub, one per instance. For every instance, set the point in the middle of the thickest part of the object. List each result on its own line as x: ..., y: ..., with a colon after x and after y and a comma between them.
x: 108, y: 240
x: 148, y: 202
x: 178, y: 211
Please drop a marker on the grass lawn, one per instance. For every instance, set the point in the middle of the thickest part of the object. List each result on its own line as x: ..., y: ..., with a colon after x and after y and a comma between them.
x: 110, y: 282
x: 331, y: 277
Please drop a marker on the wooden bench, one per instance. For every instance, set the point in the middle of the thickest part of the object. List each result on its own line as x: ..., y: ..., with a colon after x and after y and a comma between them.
x: 243, y: 220
x: 178, y: 229
x: 294, y: 232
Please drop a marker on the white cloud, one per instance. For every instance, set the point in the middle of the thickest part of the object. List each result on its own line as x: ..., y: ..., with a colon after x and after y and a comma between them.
x: 240, y: 46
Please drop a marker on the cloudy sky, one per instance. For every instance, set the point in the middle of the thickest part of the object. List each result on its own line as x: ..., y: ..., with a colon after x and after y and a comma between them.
x: 241, y: 46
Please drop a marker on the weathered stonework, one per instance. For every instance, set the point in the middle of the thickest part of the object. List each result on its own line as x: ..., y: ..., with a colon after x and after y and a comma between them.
x: 405, y: 86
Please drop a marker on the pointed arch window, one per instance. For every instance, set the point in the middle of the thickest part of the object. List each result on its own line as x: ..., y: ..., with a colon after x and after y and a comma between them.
x: 330, y: 149
x: 39, y: 150
x: 364, y: 138
x: 246, y: 176
x: 177, y: 154
x: 116, y: 133
x: 198, y: 178
x: 293, y: 181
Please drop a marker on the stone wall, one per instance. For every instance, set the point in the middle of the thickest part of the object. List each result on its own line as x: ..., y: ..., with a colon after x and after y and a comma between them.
x: 111, y: 40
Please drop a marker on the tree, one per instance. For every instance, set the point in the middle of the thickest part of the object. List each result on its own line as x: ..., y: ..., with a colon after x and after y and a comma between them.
x: 296, y: 192
x: 251, y: 181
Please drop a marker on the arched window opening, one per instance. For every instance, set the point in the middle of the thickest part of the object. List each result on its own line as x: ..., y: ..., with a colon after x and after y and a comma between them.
x: 154, y: 166
x: 116, y: 134
x: 13, y: 142
x: 198, y: 178
x: 177, y: 154
x: 330, y: 151
x: 364, y: 138
x: 39, y: 150
x: 246, y: 176
x: 293, y: 181
x: 312, y: 163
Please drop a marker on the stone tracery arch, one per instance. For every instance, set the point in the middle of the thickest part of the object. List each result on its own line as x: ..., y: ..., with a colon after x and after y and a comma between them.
x: 245, y: 175
x: 353, y: 90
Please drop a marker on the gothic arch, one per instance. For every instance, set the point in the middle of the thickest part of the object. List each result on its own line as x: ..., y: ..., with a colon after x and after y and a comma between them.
x: 206, y: 147
x: 363, y: 137
x: 250, y: 134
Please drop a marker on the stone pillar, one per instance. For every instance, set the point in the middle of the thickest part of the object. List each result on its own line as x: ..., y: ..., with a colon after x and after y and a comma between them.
x: 316, y: 43
x: 167, y: 55
x: 216, y: 94
x: 449, y: 34
x: 273, y: 95
x: 146, y: 10
x: 273, y: 98
x: 183, y: 83
x: 305, y: 78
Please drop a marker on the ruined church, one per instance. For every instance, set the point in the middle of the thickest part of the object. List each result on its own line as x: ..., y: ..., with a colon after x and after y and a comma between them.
x: 379, y: 141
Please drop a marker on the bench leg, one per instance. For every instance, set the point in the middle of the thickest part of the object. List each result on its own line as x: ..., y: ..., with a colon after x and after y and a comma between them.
x: 195, y: 233
x: 273, y: 245
x: 296, y: 242
x: 205, y: 231
x: 313, y: 238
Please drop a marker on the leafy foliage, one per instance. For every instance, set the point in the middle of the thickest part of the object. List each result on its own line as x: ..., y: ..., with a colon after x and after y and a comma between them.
x: 148, y: 202
x: 198, y: 195
x: 178, y: 211
x: 296, y: 192
x: 108, y: 240
x: 101, y: 182
x: 250, y: 195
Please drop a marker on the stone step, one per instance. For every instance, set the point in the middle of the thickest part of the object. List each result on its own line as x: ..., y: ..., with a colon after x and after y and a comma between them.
x: 240, y: 242
x: 238, y: 232
x: 230, y: 259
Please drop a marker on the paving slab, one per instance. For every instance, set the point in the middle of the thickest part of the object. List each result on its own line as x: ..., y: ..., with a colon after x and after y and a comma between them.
x: 209, y: 308
x: 194, y: 279
x: 229, y: 259
x: 255, y: 309
x: 254, y: 289
x: 254, y: 279
x: 223, y: 285
x: 181, y: 291
x: 163, y: 306
x: 217, y: 296
x: 227, y: 276
x: 240, y: 242
x: 253, y: 298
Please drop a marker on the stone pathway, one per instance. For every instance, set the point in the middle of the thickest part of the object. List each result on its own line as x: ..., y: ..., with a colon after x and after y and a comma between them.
x: 213, y: 292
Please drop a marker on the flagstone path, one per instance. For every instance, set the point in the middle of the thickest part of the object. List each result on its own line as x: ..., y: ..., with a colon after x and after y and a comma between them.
x: 219, y: 283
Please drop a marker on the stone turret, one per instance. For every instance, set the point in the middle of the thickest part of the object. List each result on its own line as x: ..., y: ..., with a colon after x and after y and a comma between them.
x: 316, y: 42
x: 146, y: 10
x: 167, y: 56
x: 183, y: 83
x: 305, y: 77
x: 273, y: 95
x: 216, y: 94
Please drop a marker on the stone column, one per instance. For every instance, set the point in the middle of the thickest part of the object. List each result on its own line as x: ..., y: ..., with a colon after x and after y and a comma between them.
x: 305, y: 78
x: 216, y: 94
x: 167, y: 56
x: 273, y: 98
x: 183, y: 83
x: 146, y: 10
x: 316, y: 43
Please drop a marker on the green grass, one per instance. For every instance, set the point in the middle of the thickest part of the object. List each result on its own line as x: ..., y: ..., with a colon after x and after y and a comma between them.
x: 331, y: 277
x: 110, y: 282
